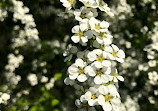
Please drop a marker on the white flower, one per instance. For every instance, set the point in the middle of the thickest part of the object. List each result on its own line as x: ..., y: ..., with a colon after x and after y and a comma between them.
x: 89, y: 3
x: 69, y: 52
x: 99, y: 56
x: 44, y: 79
x: 99, y: 74
x: 67, y: 3
x: 115, y: 53
x: 91, y: 96
x: 114, y: 75
x: 153, y: 76
x: 85, y: 23
x: 83, y: 55
x: 80, y: 34
x: 5, y: 96
x: 68, y: 81
x: 98, y: 26
x: 82, y: 105
x: 85, y: 12
x: 97, y: 45
x: 151, y: 100
x: 152, y: 63
x: 108, y: 99
x: 77, y: 70
x: 101, y: 45
x: 32, y: 79
x: 104, y: 7
x: 104, y: 38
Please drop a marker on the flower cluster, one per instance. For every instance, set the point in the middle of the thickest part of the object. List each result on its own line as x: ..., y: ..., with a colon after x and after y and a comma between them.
x: 151, y: 66
x: 95, y: 63
x: 22, y: 36
x: 130, y: 104
x: 13, y: 62
x: 4, y: 97
x: 29, y: 34
x: 122, y: 10
x: 3, y: 14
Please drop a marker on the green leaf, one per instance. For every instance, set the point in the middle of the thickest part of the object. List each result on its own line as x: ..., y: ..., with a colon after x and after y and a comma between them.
x: 56, y: 110
x: 58, y: 75
x: 34, y: 108
x: 0, y: 4
x: 55, y: 102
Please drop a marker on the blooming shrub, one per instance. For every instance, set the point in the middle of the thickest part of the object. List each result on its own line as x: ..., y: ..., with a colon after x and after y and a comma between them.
x: 95, y: 63
x: 69, y: 55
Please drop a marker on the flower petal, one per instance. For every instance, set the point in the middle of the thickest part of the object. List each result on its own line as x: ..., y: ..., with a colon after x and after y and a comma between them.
x: 82, y: 78
x: 75, y: 39
x: 120, y: 78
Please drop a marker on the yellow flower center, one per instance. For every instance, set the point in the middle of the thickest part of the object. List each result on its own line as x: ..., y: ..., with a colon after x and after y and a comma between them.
x: 85, y: 59
x: 100, y: 58
x: 80, y: 70
x: 80, y: 34
x: 101, y: 47
x: 93, y: 96
x: 99, y: 72
x: 83, y: 16
x: 114, y: 54
x: 71, y: 1
x: 115, y: 74
x: 102, y: 35
x: 89, y: 25
x: 153, y: 76
x: 100, y: 4
x: 107, y: 97
x: 97, y: 27
x: 104, y: 84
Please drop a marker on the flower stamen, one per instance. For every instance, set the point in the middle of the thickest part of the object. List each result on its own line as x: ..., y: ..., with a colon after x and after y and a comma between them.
x: 100, y: 58
x: 93, y: 96
x: 80, y: 70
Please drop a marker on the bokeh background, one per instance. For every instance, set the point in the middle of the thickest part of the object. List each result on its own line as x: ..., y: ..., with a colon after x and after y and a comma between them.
x: 34, y: 35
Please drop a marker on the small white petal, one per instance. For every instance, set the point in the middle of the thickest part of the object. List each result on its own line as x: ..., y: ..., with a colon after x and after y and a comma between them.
x: 83, y: 27
x: 88, y: 95
x: 98, y: 64
x: 75, y: 39
x: 108, y: 49
x: 97, y: 80
x: 115, y: 47
x: 84, y: 39
x: 82, y: 78
x: 92, y: 102
x: 115, y: 101
x: 73, y: 76
x: 107, y: 106
x: 75, y: 29
x: 120, y: 60
x: 121, y: 54
x: 103, y: 90
x: 72, y: 69
x: 106, y: 63
x: 101, y: 100
x: 93, y: 90
x: 98, y: 51
x: 104, y: 24
x: 90, y: 71
x: 80, y: 63
x: 105, y: 78
x: 91, y: 56
x: 120, y: 78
